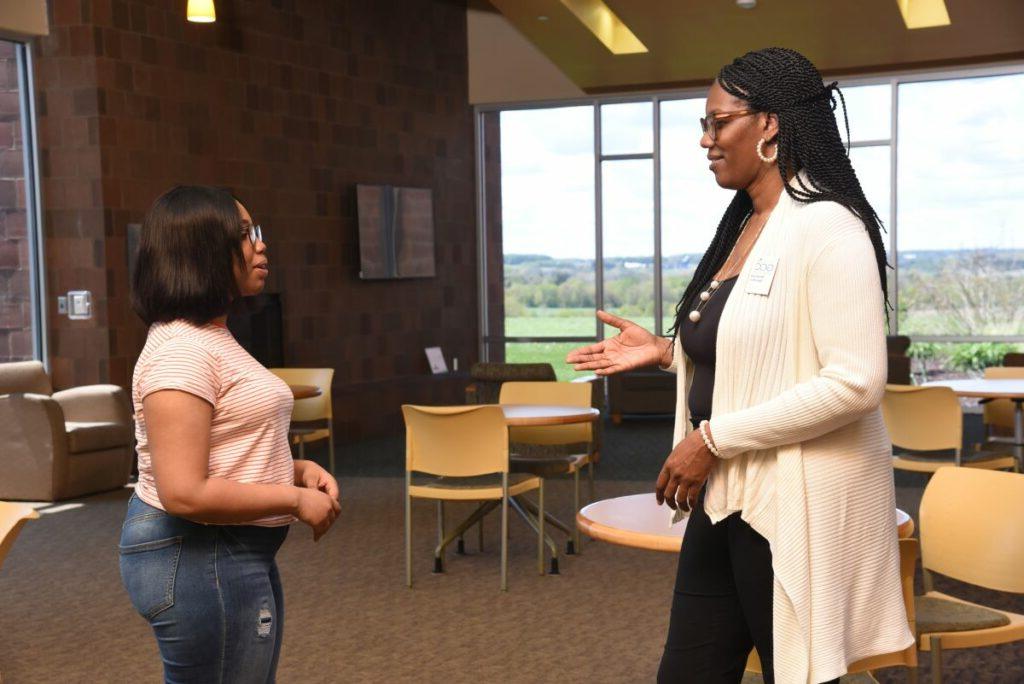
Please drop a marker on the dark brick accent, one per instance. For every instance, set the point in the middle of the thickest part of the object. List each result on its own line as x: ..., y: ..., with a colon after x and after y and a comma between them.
x: 290, y: 104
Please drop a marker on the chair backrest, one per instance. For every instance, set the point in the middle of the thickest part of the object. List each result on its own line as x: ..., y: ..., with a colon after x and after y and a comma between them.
x: 313, y: 408
x: 549, y: 394
x: 488, y: 376
x: 12, y: 517
x: 455, y: 441
x: 1000, y: 411
x: 1013, y: 359
x: 971, y: 527
x: 923, y: 418
x: 27, y: 377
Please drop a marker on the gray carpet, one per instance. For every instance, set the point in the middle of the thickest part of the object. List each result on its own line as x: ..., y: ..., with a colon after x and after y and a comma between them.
x: 349, y: 618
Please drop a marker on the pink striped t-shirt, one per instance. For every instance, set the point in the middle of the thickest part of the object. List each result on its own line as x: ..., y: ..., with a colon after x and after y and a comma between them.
x: 252, y: 407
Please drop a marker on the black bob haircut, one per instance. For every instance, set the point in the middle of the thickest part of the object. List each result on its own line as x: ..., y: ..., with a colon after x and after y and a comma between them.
x: 191, y: 239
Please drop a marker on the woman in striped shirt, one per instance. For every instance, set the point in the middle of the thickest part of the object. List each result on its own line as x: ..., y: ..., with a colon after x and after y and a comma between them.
x: 217, y: 484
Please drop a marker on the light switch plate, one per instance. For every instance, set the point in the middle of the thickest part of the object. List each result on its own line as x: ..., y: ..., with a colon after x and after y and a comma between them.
x: 62, y: 305
x: 79, y: 305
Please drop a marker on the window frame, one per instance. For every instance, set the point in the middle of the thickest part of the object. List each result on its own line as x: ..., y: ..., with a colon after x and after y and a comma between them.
x: 893, y: 79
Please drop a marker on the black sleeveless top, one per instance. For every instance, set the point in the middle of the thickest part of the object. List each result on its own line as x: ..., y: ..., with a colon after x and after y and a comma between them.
x: 699, y: 344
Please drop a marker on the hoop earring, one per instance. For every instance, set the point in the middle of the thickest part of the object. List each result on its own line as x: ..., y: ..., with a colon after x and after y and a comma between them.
x: 760, y: 152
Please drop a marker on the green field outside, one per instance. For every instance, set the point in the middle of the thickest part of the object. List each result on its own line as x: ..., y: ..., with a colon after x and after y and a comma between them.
x: 539, y: 322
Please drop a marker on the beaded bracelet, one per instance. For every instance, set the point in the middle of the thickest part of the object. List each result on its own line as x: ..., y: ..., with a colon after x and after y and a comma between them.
x: 703, y: 427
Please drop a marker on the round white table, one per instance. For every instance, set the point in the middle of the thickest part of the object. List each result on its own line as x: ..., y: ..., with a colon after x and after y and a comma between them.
x: 639, y: 522
x: 525, y: 415
x: 983, y: 388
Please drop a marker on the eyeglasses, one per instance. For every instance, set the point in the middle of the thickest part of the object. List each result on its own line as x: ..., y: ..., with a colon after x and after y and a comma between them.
x: 710, y: 124
x: 253, y: 232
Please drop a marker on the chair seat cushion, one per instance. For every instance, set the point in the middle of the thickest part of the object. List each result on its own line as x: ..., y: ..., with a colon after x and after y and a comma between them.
x: 546, y: 466
x: 475, y: 482
x: 935, y: 614
x: 83, y: 437
x: 947, y: 456
x: 854, y: 678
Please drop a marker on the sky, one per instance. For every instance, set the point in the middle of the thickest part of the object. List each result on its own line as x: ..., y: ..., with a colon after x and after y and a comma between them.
x: 960, y: 171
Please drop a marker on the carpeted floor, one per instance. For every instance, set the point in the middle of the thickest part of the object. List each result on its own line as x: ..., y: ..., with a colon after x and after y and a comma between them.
x: 349, y: 618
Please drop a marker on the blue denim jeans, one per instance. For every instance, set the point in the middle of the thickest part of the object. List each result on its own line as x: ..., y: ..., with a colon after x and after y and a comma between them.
x: 211, y: 593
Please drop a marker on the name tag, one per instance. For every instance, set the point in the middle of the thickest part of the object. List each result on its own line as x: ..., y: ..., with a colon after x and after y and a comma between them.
x: 762, y: 274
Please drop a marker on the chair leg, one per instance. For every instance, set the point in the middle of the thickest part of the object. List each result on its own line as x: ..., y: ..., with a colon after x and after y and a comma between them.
x: 504, y: 534
x: 408, y: 536
x: 590, y: 475
x: 574, y: 546
x: 540, y: 527
x: 480, y: 531
x: 936, y: 644
x: 330, y: 455
x: 439, y: 557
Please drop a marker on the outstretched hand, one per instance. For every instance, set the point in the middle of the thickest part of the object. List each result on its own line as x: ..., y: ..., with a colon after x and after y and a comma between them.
x: 633, y: 347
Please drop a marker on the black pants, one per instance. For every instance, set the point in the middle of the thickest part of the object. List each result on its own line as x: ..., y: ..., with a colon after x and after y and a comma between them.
x: 722, y: 606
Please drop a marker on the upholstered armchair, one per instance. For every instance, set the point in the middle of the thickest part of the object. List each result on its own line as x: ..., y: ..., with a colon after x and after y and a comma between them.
x: 59, y: 445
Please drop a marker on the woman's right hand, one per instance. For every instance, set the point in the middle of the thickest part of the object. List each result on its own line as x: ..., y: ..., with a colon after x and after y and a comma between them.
x: 317, y: 509
x: 633, y: 347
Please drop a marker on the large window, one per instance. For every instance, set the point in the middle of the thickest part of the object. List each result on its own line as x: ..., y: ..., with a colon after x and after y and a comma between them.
x: 20, y: 321
x: 609, y: 204
x: 547, y: 198
x: 961, y: 207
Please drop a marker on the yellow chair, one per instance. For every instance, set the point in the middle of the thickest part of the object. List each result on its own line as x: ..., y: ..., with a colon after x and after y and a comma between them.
x: 930, y: 419
x: 998, y: 413
x: 12, y: 517
x: 312, y: 418
x: 565, y: 461
x: 970, y: 531
x: 460, y: 453
x: 860, y: 671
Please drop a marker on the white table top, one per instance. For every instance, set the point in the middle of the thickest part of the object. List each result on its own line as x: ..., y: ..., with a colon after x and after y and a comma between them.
x: 520, y: 415
x: 983, y: 388
x: 638, y: 521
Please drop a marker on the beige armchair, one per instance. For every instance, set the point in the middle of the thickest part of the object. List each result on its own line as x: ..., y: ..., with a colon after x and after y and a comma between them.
x: 59, y: 445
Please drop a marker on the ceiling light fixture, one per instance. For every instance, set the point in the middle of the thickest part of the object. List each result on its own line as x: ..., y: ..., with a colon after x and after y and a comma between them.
x: 746, y: 4
x: 607, y: 27
x: 201, y: 11
x: 924, y: 13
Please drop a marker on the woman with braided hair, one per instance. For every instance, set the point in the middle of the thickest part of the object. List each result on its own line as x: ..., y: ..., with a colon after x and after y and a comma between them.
x: 780, y: 458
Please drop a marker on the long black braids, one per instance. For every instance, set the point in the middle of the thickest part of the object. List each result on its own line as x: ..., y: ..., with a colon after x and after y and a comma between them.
x: 785, y: 83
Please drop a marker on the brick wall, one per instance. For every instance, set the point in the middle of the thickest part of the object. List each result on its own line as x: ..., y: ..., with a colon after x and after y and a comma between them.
x: 290, y: 103
x: 15, y: 284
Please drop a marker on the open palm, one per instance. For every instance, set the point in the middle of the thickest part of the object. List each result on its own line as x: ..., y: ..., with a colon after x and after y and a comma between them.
x: 632, y: 348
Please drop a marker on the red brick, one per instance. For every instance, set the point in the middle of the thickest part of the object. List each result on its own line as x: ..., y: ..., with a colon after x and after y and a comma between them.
x: 12, y: 164
x: 15, y: 224
x: 9, y: 255
x: 67, y: 12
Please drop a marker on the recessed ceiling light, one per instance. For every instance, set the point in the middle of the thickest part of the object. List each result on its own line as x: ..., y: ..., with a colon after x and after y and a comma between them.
x: 746, y: 4
x: 201, y: 11
x: 542, y: 18
x: 924, y: 13
x: 606, y: 26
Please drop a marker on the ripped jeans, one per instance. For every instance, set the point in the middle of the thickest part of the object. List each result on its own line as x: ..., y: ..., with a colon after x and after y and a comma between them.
x: 211, y: 593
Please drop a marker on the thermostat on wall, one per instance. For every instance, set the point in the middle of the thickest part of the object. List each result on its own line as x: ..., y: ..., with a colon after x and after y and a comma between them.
x: 79, y: 305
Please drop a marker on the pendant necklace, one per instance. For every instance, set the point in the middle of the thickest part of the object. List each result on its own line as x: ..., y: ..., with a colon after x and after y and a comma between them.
x: 703, y: 297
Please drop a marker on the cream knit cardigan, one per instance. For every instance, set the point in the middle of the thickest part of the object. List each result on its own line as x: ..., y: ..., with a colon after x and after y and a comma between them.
x: 805, y: 456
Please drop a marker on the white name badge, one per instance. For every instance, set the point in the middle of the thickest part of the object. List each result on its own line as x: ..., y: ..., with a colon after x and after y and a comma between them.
x: 762, y: 274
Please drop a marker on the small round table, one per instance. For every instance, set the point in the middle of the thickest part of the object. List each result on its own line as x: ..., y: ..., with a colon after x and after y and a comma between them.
x: 983, y: 388
x: 305, y: 391
x: 535, y: 415
x: 639, y: 522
